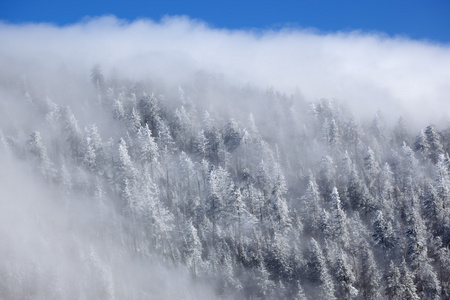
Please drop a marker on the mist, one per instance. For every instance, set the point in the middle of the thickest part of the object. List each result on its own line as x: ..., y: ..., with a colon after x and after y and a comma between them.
x: 59, y: 246
x: 368, y: 71
x: 174, y: 160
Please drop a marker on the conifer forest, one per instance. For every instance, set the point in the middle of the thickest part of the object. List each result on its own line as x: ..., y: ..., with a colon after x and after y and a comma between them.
x: 114, y: 187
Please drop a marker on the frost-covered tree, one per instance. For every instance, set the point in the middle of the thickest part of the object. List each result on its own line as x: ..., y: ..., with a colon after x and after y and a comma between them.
x: 94, y: 156
x: 73, y: 134
x: 311, y: 206
x: 370, y: 284
x: 202, y: 145
x: 378, y: 127
x: 133, y: 121
x: 428, y: 285
x: 372, y: 171
x: 38, y: 149
x: 407, y: 280
x: 148, y: 148
x: 123, y: 167
x: 439, y: 204
x: 334, y: 136
x: 149, y: 108
x: 338, y: 219
x: 192, y: 249
x: 416, y: 252
x: 421, y: 146
x: 394, y: 287
x: 358, y: 194
x: 318, y: 272
x: 352, y: 135
x: 220, y: 189
x: 383, y: 233
x: 434, y: 142
x: 118, y: 110
x: 345, y: 278
x: 232, y: 135
x: 326, y: 178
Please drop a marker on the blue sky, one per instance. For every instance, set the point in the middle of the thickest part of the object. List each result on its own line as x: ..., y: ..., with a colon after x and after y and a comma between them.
x: 429, y: 20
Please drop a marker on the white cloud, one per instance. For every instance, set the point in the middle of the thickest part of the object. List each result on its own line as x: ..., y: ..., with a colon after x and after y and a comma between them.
x: 369, y: 71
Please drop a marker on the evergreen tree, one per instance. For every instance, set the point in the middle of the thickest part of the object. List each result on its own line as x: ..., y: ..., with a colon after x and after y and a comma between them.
x: 345, y: 278
x: 192, y: 249
x: 416, y: 239
x: 428, y: 285
x: 311, y: 208
x: 133, y: 121
x: 220, y: 189
x: 187, y: 172
x: 377, y: 128
x: 94, y: 157
x: 232, y: 136
x: 372, y: 171
x: 334, y: 136
x: 202, y: 145
x: 38, y: 149
x: 358, y: 194
x: 353, y: 136
x: 434, y: 142
x: 433, y: 208
x: 318, y: 272
x: 338, y: 219
x: 370, y: 281
x: 345, y: 169
x: 118, y: 110
x: 148, y: 148
x: 394, y: 287
x: 326, y: 178
x: 421, y: 146
x: 123, y: 167
x: 73, y: 135
x: 183, y: 129
x: 383, y: 233
x: 387, y: 191
x: 149, y: 109
x: 409, y: 171
x: 442, y: 187
x: 407, y: 281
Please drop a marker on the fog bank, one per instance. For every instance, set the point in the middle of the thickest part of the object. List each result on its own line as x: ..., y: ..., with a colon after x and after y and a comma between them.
x: 369, y: 71
x: 55, y: 246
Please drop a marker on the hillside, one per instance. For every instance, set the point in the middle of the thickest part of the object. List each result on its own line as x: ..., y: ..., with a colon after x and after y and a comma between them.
x: 129, y: 189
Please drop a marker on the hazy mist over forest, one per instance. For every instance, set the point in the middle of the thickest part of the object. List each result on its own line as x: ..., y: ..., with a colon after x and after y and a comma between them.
x: 172, y: 160
x: 369, y: 71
